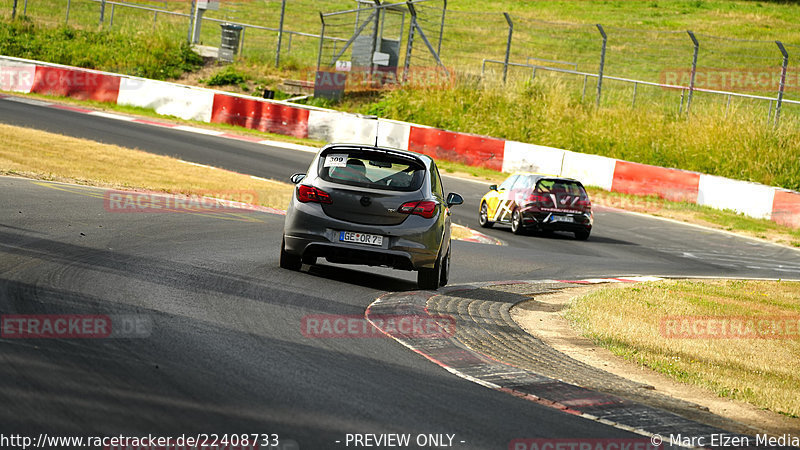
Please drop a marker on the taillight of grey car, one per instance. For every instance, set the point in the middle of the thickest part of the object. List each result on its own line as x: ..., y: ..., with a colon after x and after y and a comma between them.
x: 424, y: 209
x: 311, y: 194
x: 371, y: 205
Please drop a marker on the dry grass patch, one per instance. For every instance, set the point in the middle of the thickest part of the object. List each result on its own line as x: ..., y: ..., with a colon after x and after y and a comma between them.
x: 762, y: 371
x: 48, y: 156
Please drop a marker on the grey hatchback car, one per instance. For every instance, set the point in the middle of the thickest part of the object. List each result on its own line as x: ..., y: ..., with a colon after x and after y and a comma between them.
x: 371, y: 205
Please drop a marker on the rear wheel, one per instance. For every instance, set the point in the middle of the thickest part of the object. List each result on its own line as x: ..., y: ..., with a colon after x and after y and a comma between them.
x: 428, y: 279
x: 582, y: 235
x: 516, y: 222
x: 289, y: 261
x: 444, y: 278
x: 483, y: 217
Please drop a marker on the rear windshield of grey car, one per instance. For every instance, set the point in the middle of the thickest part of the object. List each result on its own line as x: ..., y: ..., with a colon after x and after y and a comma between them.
x: 372, y: 169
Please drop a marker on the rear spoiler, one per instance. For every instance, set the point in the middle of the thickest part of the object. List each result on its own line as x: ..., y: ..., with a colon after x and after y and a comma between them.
x: 371, y: 149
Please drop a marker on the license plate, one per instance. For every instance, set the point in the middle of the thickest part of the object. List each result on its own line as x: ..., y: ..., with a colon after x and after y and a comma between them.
x: 360, y: 238
x: 561, y: 219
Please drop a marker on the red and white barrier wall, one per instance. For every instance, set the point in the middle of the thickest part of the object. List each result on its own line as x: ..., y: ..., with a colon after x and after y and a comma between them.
x: 167, y: 99
x: 207, y: 105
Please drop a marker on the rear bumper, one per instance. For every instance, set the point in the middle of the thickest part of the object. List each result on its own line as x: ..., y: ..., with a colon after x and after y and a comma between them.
x: 412, y: 245
x: 350, y: 254
x: 544, y: 221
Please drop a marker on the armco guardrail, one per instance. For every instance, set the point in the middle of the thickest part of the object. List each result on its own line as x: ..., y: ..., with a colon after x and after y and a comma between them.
x: 188, y: 102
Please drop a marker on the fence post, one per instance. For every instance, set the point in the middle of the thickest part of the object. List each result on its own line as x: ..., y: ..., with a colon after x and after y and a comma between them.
x: 14, y: 11
x: 376, y: 35
x: 728, y: 106
x: 694, y: 72
x: 508, y: 45
x: 280, y: 34
x: 321, y: 40
x: 66, y: 19
x: 111, y: 20
x: 602, y: 64
x: 25, y: 8
x: 197, y: 24
x: 585, y: 79
x: 191, y: 21
x: 410, y: 43
x: 441, y: 30
x: 633, y: 102
x: 102, y: 11
x: 783, y: 81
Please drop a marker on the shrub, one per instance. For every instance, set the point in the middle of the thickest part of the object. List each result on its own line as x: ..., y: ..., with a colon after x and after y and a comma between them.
x: 159, y: 56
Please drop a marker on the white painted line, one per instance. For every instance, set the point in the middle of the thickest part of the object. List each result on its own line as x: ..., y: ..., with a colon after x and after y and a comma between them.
x: 27, y: 101
x: 290, y: 146
x: 719, y: 277
x: 640, y: 279
x: 197, y: 164
x: 600, y: 280
x: 456, y: 372
x: 778, y: 269
x: 481, y: 355
x: 260, y: 179
x: 198, y: 130
x: 771, y: 262
x: 108, y: 115
x: 702, y: 227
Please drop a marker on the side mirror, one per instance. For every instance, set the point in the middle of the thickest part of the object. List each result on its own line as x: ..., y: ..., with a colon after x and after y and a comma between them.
x: 454, y: 199
x: 493, y: 187
x: 296, y: 178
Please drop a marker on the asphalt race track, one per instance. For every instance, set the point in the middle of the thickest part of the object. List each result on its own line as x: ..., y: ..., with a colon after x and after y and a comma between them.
x: 225, y: 352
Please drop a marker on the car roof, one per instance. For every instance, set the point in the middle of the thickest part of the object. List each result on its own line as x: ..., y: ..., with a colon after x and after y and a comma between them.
x: 425, y: 158
x: 543, y: 175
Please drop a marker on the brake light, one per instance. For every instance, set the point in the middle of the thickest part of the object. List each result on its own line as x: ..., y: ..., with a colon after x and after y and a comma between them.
x: 425, y: 209
x: 536, y: 198
x: 584, y: 203
x: 311, y: 194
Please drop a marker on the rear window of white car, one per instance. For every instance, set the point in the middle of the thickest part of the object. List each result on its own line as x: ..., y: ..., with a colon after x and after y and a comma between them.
x: 371, y: 169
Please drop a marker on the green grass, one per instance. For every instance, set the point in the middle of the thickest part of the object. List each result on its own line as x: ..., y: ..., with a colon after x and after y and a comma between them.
x: 761, y: 371
x: 453, y: 168
x: 645, y: 36
x: 740, y: 146
x: 147, y: 55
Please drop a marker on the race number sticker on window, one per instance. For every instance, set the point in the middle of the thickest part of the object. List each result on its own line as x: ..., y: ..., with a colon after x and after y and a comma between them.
x: 336, y: 160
